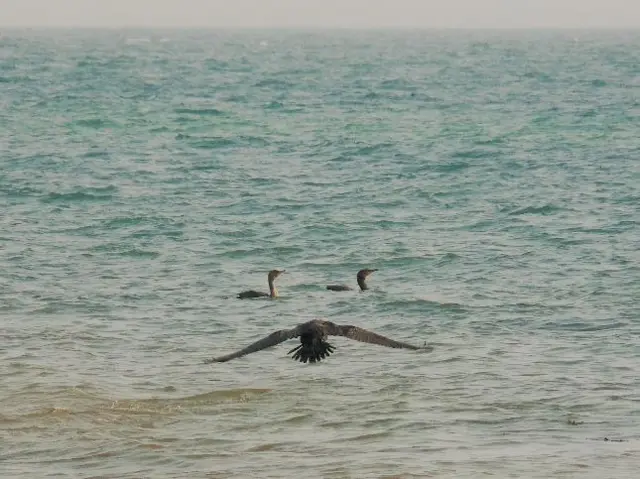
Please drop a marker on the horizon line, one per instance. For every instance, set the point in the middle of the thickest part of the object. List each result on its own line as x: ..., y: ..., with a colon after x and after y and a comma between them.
x: 315, y: 27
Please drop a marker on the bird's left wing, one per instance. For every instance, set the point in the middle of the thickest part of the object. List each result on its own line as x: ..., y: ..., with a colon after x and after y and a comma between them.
x: 366, y: 336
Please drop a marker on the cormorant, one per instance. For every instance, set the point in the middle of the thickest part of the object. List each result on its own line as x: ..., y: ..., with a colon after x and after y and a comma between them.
x: 273, y: 292
x: 313, y: 346
x: 361, y: 278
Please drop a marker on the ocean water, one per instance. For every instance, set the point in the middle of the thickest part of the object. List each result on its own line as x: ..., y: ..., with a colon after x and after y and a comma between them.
x: 147, y: 177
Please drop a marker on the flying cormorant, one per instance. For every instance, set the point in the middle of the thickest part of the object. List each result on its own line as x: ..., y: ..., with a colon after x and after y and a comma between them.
x: 313, y: 345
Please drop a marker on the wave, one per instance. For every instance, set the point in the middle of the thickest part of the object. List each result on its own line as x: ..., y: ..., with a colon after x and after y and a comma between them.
x: 88, y: 403
x: 425, y: 304
x: 104, y: 193
x: 535, y: 210
x: 200, y: 111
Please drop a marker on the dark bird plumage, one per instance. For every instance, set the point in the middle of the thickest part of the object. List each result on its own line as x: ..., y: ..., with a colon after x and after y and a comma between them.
x: 361, y: 278
x: 313, y: 345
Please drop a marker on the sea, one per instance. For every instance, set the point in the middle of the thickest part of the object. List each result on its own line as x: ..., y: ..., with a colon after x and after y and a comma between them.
x: 492, y: 177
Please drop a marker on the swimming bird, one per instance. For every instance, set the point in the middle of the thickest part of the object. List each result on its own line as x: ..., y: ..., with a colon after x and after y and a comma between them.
x: 313, y: 345
x: 273, y: 292
x: 361, y: 278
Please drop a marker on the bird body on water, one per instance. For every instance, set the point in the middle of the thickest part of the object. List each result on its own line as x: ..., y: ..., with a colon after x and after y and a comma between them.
x: 273, y: 292
x: 313, y: 345
x: 361, y: 278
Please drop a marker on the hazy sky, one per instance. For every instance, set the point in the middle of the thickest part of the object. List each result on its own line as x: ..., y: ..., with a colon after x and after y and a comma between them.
x: 322, y: 13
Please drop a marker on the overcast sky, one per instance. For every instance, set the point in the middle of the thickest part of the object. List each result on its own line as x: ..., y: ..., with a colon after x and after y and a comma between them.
x: 322, y: 13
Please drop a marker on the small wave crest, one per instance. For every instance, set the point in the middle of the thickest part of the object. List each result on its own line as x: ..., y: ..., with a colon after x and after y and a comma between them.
x: 86, y: 194
x: 199, y: 111
x: 85, y: 403
x: 423, y: 304
x: 535, y: 210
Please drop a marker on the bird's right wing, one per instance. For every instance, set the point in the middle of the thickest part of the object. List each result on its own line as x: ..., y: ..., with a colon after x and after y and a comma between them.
x: 271, y: 340
x: 366, y: 336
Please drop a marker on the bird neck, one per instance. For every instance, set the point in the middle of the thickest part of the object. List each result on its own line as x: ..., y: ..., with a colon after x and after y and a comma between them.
x: 273, y: 292
x: 362, y: 284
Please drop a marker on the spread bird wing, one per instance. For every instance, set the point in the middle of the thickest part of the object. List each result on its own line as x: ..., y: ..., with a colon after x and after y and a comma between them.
x: 366, y: 336
x: 266, y: 342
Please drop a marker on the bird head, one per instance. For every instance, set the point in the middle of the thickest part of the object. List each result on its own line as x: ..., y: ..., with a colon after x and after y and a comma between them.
x: 274, y: 273
x: 364, y: 273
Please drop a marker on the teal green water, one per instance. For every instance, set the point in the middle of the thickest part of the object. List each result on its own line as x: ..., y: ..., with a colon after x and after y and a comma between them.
x: 147, y: 177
